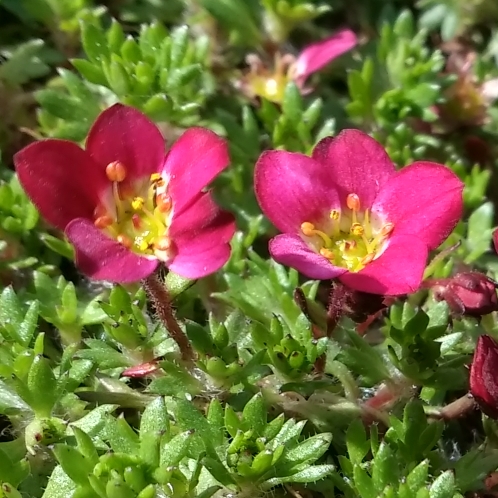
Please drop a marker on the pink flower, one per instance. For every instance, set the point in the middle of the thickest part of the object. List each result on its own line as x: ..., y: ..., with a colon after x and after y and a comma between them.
x: 317, y: 55
x: 125, y: 204
x: 483, y: 381
x: 270, y: 83
x: 346, y: 213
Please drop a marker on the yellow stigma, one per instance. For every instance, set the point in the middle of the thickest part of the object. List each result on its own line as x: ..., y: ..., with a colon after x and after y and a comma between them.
x: 348, y: 238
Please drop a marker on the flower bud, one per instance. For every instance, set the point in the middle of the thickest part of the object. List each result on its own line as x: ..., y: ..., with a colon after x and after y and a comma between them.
x: 483, y: 380
x: 467, y: 293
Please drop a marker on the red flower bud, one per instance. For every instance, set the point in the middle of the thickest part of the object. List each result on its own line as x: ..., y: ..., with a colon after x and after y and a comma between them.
x: 483, y: 378
x: 467, y: 293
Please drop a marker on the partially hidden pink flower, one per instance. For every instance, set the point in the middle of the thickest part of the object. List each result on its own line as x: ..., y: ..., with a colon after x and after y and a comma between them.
x: 317, y: 55
x: 270, y: 83
x: 483, y: 380
x: 125, y: 204
x: 346, y: 213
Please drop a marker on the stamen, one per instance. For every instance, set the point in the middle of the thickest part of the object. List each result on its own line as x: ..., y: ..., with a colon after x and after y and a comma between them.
x: 387, y: 229
x: 353, y: 202
x: 103, y: 222
x: 334, y: 214
x: 124, y: 241
x: 367, y: 225
x: 163, y: 202
x: 137, y: 203
x: 117, y: 200
x: 163, y: 244
x: 367, y: 259
x: 357, y: 229
x: 115, y: 171
x: 308, y: 229
x: 327, y: 253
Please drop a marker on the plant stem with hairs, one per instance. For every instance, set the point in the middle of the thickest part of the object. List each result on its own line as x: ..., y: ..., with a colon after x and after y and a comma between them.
x: 159, y: 296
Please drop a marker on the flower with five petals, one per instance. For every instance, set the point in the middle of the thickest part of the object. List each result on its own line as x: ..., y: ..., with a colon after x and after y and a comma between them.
x: 125, y: 204
x: 346, y: 213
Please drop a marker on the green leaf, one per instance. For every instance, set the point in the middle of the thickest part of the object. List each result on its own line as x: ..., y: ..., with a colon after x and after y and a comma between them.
x: 356, y: 441
x: 94, y: 43
x: 443, y: 486
x: 60, y: 485
x: 363, y: 483
x: 175, y: 450
x: 309, y: 450
x: 42, y: 386
x: 75, y: 465
x: 384, y: 468
x: 254, y: 414
x: 311, y: 474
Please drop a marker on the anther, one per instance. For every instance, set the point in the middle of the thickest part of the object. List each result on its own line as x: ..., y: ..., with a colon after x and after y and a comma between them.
x: 163, y: 202
x: 137, y: 203
x: 115, y: 171
x: 308, y: 229
x: 124, y: 241
x: 163, y: 244
x: 99, y: 211
x: 103, y: 222
x: 387, y: 229
x: 334, y: 214
x: 327, y: 253
x: 357, y: 229
x: 353, y: 202
x: 367, y: 259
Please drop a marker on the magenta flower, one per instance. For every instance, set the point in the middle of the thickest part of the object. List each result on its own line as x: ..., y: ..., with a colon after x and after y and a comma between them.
x: 483, y: 380
x: 125, y: 204
x: 347, y: 213
x: 270, y: 83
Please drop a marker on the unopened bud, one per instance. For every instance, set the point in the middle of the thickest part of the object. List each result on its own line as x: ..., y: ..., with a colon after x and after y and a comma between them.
x: 467, y: 293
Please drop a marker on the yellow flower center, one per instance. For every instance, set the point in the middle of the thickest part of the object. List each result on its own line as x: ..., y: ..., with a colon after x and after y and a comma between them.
x: 137, y: 215
x: 349, y: 238
x: 270, y: 83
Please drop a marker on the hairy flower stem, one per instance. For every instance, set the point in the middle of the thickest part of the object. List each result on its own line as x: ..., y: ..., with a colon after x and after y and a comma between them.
x: 335, y: 309
x: 159, y: 297
x: 456, y: 409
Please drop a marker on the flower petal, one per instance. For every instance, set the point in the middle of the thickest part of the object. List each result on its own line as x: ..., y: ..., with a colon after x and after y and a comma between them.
x: 291, y: 250
x: 102, y: 258
x: 356, y: 163
x: 317, y: 55
x: 61, y: 179
x: 196, y: 158
x: 399, y: 270
x: 292, y: 188
x: 423, y: 199
x: 201, y: 234
x: 122, y: 133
